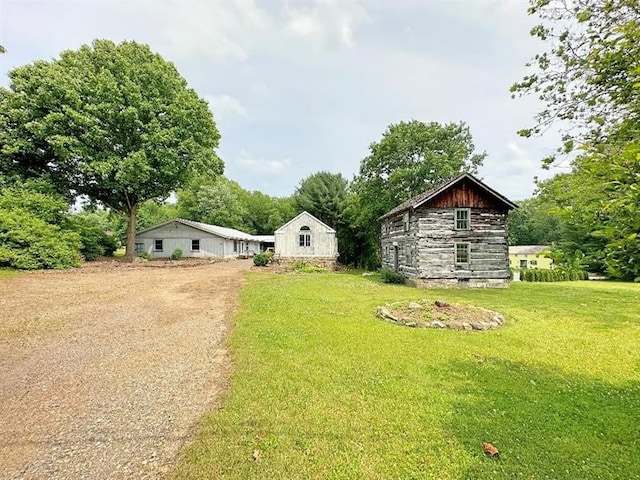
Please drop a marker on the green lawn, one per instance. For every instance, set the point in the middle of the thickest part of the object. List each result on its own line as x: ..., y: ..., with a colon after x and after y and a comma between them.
x: 323, y: 389
x: 8, y: 272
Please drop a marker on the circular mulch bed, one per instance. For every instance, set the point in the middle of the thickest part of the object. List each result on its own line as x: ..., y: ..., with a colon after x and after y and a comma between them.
x: 439, y: 314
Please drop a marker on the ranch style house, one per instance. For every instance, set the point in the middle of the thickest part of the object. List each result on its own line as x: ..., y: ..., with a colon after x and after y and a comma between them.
x: 454, y: 234
x: 197, y: 239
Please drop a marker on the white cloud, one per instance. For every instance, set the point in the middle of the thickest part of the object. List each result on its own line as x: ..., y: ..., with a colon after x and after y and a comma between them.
x: 327, y: 24
x: 513, y: 172
x: 260, y: 165
x: 224, y: 107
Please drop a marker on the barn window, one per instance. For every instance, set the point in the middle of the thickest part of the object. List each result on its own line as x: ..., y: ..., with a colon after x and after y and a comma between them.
x: 462, y: 253
x: 305, y: 237
x: 195, y: 245
x: 157, y: 245
x: 462, y: 218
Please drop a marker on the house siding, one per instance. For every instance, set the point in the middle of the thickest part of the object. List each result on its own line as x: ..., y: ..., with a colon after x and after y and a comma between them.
x: 323, y: 242
x: 425, y: 242
x: 177, y: 235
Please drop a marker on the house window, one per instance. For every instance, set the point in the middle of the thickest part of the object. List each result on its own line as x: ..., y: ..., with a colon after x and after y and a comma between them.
x: 523, y: 263
x: 462, y: 218
x: 195, y: 245
x: 407, y: 255
x: 305, y: 237
x: 139, y: 247
x: 405, y: 221
x: 533, y: 263
x: 157, y: 245
x: 462, y: 253
x: 235, y: 246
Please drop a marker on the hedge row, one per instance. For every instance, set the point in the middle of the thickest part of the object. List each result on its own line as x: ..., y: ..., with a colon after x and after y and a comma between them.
x: 555, y: 275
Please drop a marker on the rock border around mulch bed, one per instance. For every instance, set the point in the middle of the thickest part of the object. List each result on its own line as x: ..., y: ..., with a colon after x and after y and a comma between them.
x: 440, y: 314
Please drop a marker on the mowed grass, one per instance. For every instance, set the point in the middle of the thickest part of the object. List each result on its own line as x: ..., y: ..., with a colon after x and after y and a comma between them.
x: 8, y: 272
x: 322, y: 389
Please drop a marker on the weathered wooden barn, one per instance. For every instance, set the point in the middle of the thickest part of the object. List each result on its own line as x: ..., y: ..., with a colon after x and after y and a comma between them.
x: 197, y: 239
x: 452, y: 235
x: 307, y: 239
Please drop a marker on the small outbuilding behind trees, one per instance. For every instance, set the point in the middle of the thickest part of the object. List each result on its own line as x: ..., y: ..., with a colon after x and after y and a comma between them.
x: 306, y: 239
x: 454, y: 234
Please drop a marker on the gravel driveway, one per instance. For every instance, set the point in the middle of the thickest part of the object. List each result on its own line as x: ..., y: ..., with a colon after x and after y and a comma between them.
x: 105, y: 370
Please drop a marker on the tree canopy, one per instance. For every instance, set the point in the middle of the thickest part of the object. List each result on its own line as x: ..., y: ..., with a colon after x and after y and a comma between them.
x: 323, y: 195
x: 410, y: 158
x: 114, y: 122
x: 589, y: 75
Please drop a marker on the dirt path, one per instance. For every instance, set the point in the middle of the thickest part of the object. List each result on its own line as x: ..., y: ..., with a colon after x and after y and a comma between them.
x: 105, y: 370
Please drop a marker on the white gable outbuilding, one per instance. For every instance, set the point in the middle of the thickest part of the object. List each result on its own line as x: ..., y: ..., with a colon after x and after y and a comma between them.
x: 197, y: 239
x: 305, y: 237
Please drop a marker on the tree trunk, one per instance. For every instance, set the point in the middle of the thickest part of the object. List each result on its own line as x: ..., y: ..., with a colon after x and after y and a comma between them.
x: 131, y: 233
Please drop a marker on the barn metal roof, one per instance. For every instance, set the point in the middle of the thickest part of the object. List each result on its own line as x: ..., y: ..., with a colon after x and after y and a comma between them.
x: 418, y: 200
x: 224, y: 232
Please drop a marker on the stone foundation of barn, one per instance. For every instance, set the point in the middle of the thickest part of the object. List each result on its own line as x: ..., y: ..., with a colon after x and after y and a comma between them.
x: 323, y: 262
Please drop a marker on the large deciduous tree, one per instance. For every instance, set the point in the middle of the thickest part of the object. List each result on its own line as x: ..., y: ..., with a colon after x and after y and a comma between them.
x: 114, y: 122
x: 410, y: 158
x: 218, y: 201
x: 589, y: 76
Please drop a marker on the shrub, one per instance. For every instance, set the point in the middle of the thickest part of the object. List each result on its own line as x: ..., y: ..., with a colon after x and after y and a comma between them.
x: 144, y: 255
x: 92, y: 231
x: 389, y: 276
x: 301, y: 266
x: 555, y: 275
x: 261, y: 260
x: 177, y: 254
x: 30, y: 243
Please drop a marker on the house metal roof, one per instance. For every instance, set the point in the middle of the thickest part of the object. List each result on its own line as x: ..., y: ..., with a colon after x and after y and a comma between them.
x: 528, y: 249
x: 224, y: 232
x: 418, y: 200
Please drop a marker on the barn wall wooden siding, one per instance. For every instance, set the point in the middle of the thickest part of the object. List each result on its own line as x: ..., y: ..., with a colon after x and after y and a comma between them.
x: 426, y: 252
x: 323, y: 242
x: 176, y: 235
x: 463, y: 196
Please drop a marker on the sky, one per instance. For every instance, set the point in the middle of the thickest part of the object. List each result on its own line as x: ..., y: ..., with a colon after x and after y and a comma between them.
x: 298, y: 87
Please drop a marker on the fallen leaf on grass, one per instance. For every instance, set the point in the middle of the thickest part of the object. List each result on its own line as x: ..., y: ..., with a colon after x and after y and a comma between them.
x: 490, y: 449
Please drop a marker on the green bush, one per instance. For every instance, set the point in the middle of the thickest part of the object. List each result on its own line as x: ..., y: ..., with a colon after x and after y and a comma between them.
x: 555, y: 275
x: 389, y: 276
x: 301, y: 266
x: 144, y: 255
x: 92, y: 231
x: 261, y: 260
x: 177, y: 254
x: 30, y: 243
